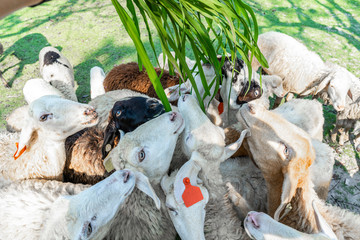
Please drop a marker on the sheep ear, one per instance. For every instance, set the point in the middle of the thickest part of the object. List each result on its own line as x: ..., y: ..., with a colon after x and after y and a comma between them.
x: 232, y: 148
x: 288, y: 191
x: 322, y: 85
x: 322, y: 225
x: 165, y: 184
x: 24, y: 141
x: 190, y: 170
x: 172, y: 93
x: 110, y: 135
x: 143, y: 184
x: 350, y: 94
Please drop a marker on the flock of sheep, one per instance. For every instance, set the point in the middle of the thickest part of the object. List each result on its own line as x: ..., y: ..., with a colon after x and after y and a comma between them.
x: 120, y: 167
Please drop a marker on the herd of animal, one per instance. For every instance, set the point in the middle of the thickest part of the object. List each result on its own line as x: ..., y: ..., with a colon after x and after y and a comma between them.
x: 120, y: 167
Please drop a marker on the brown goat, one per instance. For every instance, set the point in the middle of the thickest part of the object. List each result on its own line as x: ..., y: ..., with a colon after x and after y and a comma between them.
x: 128, y: 76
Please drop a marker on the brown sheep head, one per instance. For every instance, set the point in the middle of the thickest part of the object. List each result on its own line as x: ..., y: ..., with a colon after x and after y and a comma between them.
x: 281, y: 150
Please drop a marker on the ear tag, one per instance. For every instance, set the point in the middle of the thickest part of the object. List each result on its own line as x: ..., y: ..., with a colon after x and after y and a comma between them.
x: 221, y: 107
x: 192, y: 194
x: 17, y: 149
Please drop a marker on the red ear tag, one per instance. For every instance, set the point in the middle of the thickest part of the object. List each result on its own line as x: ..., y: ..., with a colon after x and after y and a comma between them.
x: 192, y: 194
x: 17, y: 149
x: 221, y: 107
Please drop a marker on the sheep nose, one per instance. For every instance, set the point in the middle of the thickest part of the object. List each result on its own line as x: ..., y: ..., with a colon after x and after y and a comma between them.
x: 184, y: 97
x: 340, y: 108
x: 252, y: 218
x: 89, y: 111
x: 126, y: 176
x: 173, y: 116
x: 251, y: 108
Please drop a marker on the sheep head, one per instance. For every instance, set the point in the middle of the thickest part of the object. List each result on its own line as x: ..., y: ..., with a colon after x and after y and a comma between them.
x: 339, y: 87
x: 188, y: 221
x: 149, y: 148
x: 202, y: 135
x: 56, y: 119
x: 87, y: 214
x: 281, y: 150
x: 259, y: 225
x: 126, y: 115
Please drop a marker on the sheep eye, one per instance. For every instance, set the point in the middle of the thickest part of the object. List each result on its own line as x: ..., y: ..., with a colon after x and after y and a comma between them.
x: 286, y: 151
x: 118, y: 113
x: 44, y: 117
x: 93, y: 218
x: 256, y: 93
x: 141, y: 155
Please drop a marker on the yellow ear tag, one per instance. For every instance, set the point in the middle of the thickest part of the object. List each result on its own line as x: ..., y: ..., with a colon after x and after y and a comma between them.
x: 108, y: 165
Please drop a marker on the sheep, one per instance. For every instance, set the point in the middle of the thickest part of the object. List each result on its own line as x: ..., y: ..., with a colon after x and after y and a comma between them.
x: 85, y: 150
x: 38, y: 209
x: 205, y: 143
x: 32, y: 90
x: 188, y: 218
x: 303, y: 71
x: 296, y: 111
x: 97, y: 77
x: 128, y: 76
x: 40, y: 152
x: 349, y: 116
x: 284, y: 154
x: 143, y: 150
x: 56, y: 69
x: 259, y: 225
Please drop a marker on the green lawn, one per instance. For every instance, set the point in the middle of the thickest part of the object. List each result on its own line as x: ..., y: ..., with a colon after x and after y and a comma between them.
x: 89, y: 33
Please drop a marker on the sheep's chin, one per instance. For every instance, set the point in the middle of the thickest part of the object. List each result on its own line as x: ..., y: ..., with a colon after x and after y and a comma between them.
x: 247, y: 230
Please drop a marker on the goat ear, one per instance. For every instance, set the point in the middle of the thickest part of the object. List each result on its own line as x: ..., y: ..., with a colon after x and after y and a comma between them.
x: 232, y: 148
x: 25, y: 140
x: 322, y: 225
x: 350, y: 94
x: 288, y: 192
x: 143, y: 184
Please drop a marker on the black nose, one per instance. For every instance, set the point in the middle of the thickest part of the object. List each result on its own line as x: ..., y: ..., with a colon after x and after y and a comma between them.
x: 184, y: 97
x: 126, y: 176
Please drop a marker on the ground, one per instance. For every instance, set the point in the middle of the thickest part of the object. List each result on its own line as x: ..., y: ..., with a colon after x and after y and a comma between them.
x: 89, y: 33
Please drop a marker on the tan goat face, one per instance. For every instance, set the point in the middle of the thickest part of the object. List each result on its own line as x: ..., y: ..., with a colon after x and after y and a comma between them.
x: 279, y: 148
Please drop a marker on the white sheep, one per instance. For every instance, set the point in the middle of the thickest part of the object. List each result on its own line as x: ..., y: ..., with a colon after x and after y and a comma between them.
x: 349, y: 116
x: 187, y: 217
x: 39, y: 209
x: 147, y: 149
x: 260, y: 226
x: 97, y: 77
x: 40, y: 152
x: 56, y: 69
x: 303, y: 71
x: 284, y: 153
x: 205, y: 143
x: 164, y: 63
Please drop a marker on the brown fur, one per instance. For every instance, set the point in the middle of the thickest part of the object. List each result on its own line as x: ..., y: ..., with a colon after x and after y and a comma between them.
x: 231, y: 135
x: 84, y: 162
x: 128, y: 76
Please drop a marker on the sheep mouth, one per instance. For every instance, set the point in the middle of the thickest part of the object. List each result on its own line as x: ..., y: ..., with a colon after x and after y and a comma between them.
x: 91, y: 121
x: 247, y: 230
x: 180, y: 128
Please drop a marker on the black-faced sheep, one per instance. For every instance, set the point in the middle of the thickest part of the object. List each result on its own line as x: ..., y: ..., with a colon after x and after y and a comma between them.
x: 86, y: 149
